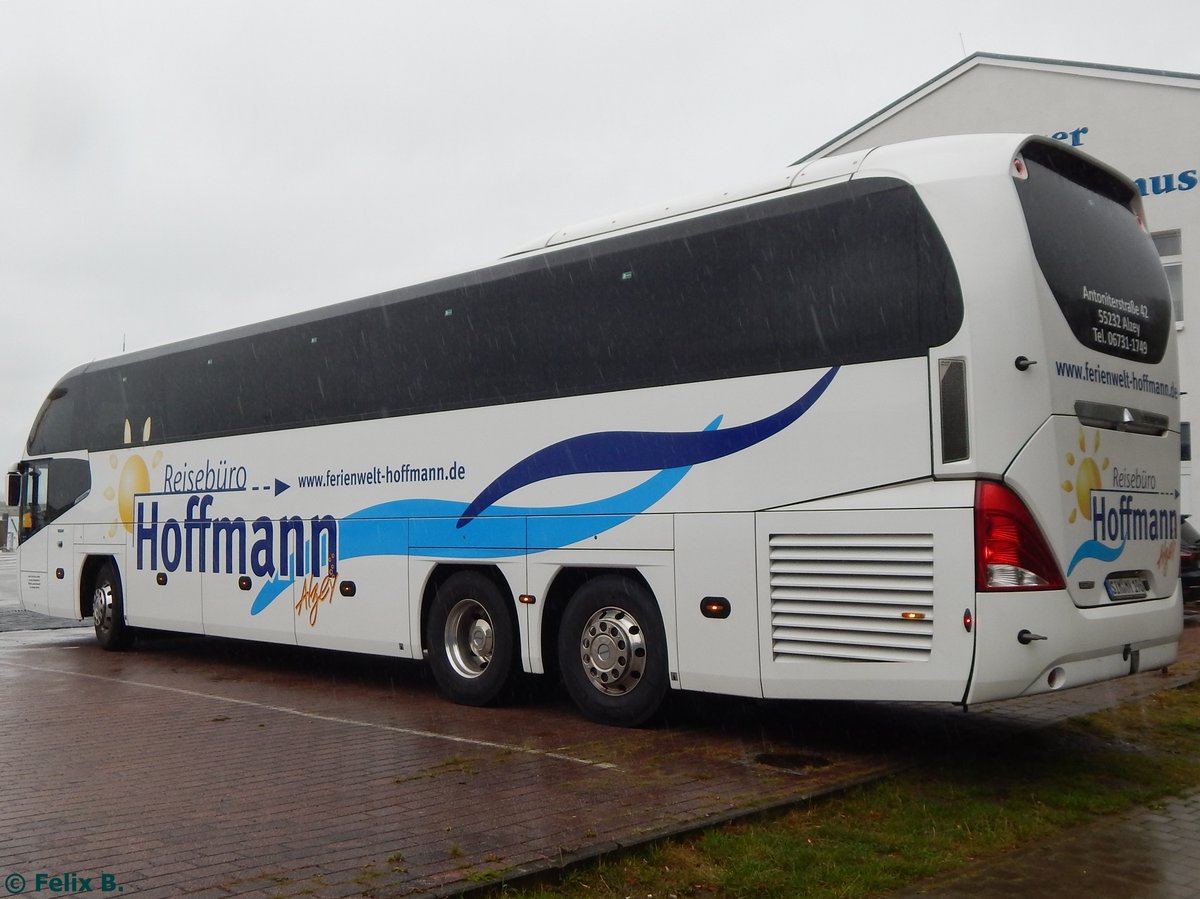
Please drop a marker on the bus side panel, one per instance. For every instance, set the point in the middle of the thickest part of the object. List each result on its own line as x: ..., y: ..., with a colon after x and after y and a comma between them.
x: 866, y: 604
x: 656, y: 566
x: 61, y: 571
x: 421, y: 570
x: 373, y: 618
x: 641, y: 542
x: 175, y: 604
x: 230, y: 611
x: 34, y: 589
x: 714, y: 558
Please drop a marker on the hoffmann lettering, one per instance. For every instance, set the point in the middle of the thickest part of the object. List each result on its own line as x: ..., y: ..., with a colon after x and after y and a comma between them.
x: 203, y: 543
x: 1120, y: 521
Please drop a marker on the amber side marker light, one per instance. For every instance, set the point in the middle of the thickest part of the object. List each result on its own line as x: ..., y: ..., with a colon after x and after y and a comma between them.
x: 161, y: 579
x: 912, y: 616
x: 715, y: 607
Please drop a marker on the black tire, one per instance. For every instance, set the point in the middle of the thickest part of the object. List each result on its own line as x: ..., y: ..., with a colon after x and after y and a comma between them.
x: 108, y: 610
x: 472, y: 639
x: 613, y: 653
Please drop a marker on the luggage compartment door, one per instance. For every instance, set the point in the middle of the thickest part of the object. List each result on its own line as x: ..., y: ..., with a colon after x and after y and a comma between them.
x: 866, y: 604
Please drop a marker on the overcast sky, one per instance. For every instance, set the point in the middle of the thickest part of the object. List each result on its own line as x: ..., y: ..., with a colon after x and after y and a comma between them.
x: 170, y: 168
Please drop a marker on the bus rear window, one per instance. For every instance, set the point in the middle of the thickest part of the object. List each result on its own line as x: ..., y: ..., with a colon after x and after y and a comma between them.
x: 1101, y: 267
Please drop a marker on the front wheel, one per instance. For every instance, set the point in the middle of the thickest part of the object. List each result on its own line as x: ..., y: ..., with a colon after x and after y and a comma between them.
x: 472, y: 639
x: 613, y: 653
x: 108, y: 610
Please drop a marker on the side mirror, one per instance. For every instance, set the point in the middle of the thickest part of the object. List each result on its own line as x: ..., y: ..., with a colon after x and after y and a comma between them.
x: 14, y: 488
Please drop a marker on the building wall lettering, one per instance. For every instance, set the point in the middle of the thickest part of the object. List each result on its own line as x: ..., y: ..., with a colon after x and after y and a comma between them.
x: 1152, y: 185
x: 1165, y: 184
x: 1075, y: 138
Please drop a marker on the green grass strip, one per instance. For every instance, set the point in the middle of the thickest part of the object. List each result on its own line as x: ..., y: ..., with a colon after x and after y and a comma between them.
x: 971, y: 802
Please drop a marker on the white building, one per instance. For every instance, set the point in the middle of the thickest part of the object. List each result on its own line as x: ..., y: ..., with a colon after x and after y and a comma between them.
x: 1145, y: 123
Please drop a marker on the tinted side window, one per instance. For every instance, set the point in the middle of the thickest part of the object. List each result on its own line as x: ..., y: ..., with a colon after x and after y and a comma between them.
x: 55, y: 428
x: 856, y: 272
x: 1101, y: 267
x: 49, y: 488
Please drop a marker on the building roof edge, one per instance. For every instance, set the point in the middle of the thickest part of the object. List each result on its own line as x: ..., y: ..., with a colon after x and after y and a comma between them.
x: 969, y: 62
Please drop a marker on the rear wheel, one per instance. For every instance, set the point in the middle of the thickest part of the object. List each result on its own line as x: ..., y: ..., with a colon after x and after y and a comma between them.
x: 108, y: 610
x: 472, y: 639
x: 613, y: 653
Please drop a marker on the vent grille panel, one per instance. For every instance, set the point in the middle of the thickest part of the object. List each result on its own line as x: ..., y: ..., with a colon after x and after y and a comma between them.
x: 843, y: 597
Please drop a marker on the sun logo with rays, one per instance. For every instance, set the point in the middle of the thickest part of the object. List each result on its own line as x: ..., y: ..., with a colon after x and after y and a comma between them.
x: 1087, y: 477
x: 134, y: 478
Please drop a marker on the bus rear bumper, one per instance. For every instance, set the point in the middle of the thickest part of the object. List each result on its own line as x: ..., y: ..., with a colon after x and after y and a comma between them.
x: 1029, y: 643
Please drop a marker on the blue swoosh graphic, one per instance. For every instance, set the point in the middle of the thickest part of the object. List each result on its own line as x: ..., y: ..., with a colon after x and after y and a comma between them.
x: 639, y: 450
x: 434, y: 528
x: 427, y: 526
x: 269, y: 592
x: 1094, y: 549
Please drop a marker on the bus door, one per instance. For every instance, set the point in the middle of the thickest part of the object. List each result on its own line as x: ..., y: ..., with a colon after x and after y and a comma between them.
x: 31, y: 535
x: 49, y: 489
x: 61, y: 597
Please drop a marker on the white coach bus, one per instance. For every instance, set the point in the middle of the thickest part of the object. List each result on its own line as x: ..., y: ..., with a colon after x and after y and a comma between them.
x: 901, y: 425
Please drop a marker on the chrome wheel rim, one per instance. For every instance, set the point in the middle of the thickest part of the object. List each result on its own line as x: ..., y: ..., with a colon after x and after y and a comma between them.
x: 469, y: 638
x: 102, y: 607
x: 612, y: 649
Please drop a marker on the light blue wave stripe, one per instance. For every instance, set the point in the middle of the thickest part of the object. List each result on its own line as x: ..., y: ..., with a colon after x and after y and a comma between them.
x: 396, y: 528
x: 387, y: 529
x: 1094, y: 549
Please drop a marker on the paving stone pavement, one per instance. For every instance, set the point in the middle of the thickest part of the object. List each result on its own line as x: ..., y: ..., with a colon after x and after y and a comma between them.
x: 218, y: 768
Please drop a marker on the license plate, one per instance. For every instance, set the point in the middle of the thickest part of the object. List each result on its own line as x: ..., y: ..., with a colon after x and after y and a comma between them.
x: 1127, y: 587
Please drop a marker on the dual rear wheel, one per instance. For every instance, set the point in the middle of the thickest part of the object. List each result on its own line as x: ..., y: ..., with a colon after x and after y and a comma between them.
x: 612, y: 651
x: 611, y: 646
x: 472, y: 639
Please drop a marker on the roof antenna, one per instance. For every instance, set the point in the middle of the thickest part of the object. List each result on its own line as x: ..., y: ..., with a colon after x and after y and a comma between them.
x: 962, y: 44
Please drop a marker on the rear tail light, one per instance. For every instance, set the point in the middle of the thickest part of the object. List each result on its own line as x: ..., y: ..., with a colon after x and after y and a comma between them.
x: 1010, y: 551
